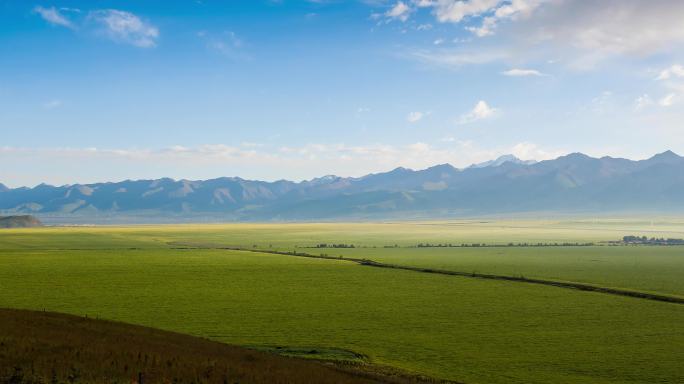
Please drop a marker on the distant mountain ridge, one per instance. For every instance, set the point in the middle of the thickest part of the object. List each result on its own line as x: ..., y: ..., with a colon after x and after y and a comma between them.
x: 23, y: 221
x: 571, y: 183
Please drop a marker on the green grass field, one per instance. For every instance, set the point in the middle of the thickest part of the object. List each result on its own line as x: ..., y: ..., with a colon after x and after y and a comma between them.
x: 463, y: 329
x: 644, y: 268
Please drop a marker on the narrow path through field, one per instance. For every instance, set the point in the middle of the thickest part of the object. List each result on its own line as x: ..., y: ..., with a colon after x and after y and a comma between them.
x: 520, y: 279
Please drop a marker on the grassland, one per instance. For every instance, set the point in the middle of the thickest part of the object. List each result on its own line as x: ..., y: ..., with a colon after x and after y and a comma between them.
x: 364, y: 234
x: 468, y: 330
x: 645, y: 268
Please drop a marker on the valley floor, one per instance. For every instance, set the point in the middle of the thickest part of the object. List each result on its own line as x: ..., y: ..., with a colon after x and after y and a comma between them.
x: 178, y: 278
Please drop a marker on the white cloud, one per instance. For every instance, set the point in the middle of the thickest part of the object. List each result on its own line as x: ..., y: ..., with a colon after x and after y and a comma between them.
x: 603, y: 28
x: 580, y: 34
x: 456, y: 10
x: 645, y: 101
x: 589, y: 32
x: 480, y: 111
x: 53, y: 16
x: 668, y: 100
x: 531, y: 151
x: 414, y: 117
x: 126, y: 27
x: 485, y: 29
x: 519, y: 72
x: 399, y: 11
x: 671, y: 79
x: 675, y: 70
x: 423, y: 3
x: 491, y: 12
x: 517, y: 8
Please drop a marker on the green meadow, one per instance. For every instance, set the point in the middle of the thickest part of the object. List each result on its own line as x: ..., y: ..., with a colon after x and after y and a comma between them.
x: 655, y: 269
x: 449, y: 327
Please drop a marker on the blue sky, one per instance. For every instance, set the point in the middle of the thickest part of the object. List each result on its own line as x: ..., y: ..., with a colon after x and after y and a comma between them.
x: 111, y: 90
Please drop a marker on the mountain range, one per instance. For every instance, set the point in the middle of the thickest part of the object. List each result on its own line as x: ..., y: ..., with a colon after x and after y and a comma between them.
x: 575, y: 183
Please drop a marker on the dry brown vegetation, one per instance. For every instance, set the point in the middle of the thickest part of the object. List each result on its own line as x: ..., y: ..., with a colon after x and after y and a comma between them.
x: 44, y: 347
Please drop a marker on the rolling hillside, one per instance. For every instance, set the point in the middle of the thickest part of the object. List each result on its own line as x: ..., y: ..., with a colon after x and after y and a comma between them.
x: 45, y: 347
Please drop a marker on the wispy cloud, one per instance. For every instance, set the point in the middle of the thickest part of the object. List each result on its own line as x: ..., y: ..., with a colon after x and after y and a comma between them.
x: 519, y: 72
x: 227, y: 44
x: 676, y: 70
x: 491, y: 12
x: 414, y: 117
x: 400, y: 11
x: 53, y: 16
x: 125, y: 27
x: 455, y: 59
x: 456, y: 10
x: 117, y: 25
x: 642, y: 102
x: 603, y: 103
x: 52, y: 104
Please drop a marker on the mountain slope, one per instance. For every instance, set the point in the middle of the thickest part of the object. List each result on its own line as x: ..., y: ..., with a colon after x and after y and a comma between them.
x: 571, y: 183
x: 23, y: 221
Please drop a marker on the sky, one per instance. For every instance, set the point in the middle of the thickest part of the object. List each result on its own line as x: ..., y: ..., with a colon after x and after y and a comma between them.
x: 94, y: 91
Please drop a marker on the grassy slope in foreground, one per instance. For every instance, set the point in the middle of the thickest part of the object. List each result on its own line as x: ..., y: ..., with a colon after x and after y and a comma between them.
x: 442, y: 326
x: 44, y: 347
